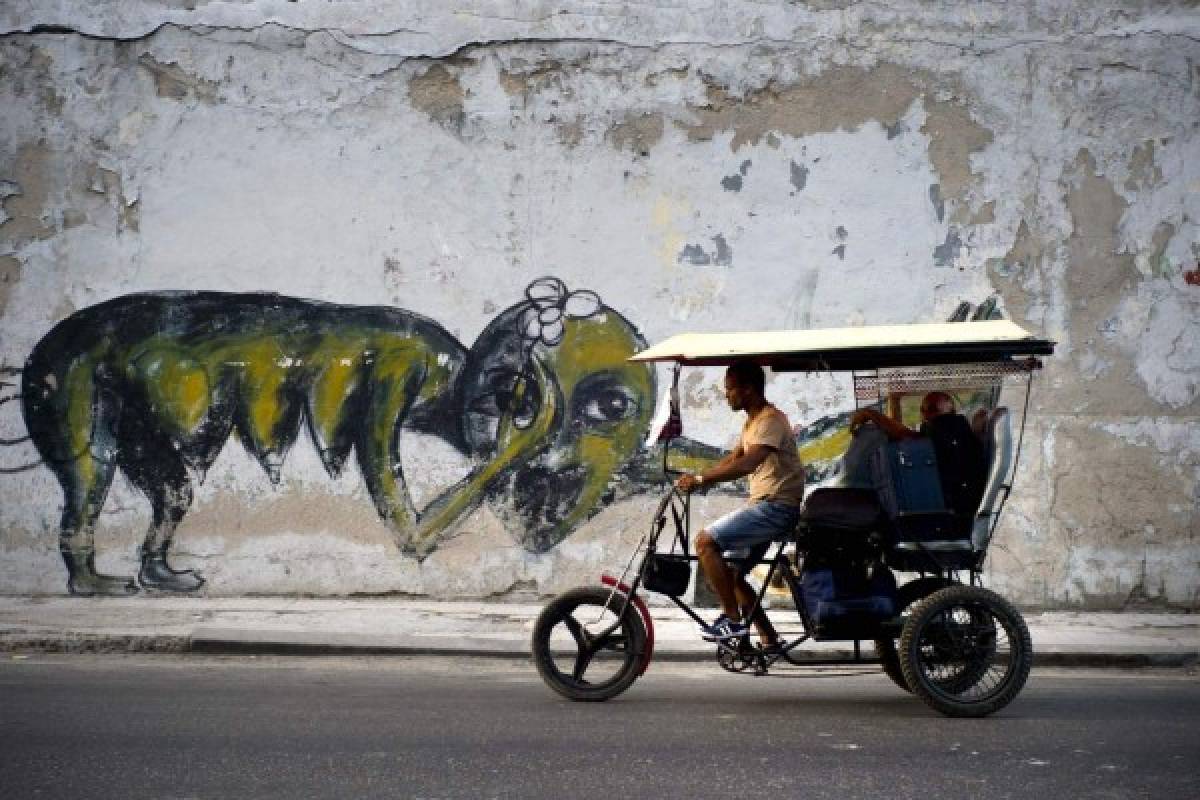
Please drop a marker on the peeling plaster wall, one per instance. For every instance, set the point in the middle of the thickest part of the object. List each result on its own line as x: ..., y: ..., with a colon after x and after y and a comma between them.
x: 699, y: 166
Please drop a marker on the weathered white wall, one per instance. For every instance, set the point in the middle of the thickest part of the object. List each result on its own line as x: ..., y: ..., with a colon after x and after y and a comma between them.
x: 698, y: 166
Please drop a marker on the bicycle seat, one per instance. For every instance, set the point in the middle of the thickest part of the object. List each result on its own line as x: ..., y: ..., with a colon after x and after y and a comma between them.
x: 752, y: 555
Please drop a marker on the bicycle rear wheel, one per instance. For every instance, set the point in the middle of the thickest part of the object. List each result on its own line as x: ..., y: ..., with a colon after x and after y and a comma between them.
x: 588, y: 644
x: 965, y: 651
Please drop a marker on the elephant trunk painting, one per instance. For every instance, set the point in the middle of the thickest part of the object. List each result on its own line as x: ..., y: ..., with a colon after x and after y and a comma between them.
x: 153, y: 385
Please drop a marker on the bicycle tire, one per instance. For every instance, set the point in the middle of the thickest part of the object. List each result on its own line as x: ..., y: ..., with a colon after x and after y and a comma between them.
x: 966, y: 651
x: 626, y: 643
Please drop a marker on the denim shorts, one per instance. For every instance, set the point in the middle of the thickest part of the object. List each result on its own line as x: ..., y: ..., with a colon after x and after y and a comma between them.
x: 753, y: 525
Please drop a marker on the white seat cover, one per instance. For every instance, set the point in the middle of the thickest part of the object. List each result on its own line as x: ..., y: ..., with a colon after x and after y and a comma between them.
x: 1000, y: 454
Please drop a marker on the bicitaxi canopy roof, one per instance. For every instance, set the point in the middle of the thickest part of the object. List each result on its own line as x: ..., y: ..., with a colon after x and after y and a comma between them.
x: 861, y: 348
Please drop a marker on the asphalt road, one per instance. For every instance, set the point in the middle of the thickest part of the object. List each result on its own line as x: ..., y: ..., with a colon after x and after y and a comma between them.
x: 211, y: 727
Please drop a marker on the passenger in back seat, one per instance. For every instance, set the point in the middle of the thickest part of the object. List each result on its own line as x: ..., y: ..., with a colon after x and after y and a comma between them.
x: 962, y: 462
x: 933, y: 405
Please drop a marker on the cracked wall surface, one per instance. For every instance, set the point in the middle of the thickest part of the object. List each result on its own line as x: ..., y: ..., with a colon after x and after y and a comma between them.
x: 698, y: 166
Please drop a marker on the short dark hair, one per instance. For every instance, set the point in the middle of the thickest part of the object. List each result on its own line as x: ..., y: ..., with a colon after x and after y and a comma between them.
x: 748, y: 374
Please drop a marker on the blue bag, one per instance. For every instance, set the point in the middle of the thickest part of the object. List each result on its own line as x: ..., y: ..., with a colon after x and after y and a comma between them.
x: 847, y: 602
x: 906, y: 477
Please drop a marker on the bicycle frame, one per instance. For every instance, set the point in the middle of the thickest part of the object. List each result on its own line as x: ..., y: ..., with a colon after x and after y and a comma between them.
x: 776, y: 564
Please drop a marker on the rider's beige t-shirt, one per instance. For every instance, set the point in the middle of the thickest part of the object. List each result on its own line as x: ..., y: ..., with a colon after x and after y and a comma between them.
x: 781, y: 476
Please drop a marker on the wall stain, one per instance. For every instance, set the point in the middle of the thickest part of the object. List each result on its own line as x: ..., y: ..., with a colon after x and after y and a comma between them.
x: 30, y: 174
x: 1098, y: 278
x: 939, y: 205
x: 670, y: 73
x: 107, y: 183
x: 1157, y: 263
x: 696, y: 255
x: 438, y: 94
x: 1143, y: 172
x: 1120, y: 500
x: 232, y: 521
x: 10, y: 273
x: 724, y: 254
x: 733, y: 182
x: 519, y: 81
x: 946, y: 253
x: 986, y: 215
x: 637, y: 132
x: 953, y: 136
x: 841, y: 235
x: 173, y: 82
x: 570, y: 134
x: 798, y: 175
x: 846, y: 98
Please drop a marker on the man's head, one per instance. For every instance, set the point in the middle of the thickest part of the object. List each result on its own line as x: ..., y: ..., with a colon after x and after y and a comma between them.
x: 744, y: 384
x: 935, y: 404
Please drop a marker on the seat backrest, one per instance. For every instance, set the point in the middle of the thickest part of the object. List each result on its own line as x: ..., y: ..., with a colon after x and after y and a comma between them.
x: 999, y: 447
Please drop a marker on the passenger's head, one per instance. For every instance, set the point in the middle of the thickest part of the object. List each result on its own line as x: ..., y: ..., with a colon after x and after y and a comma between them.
x: 744, y: 381
x: 935, y: 404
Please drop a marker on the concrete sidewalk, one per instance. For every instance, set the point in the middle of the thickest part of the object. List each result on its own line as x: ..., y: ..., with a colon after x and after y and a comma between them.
x: 279, y: 625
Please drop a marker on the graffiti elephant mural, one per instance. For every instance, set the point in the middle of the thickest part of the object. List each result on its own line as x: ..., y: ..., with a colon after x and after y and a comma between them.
x: 153, y: 385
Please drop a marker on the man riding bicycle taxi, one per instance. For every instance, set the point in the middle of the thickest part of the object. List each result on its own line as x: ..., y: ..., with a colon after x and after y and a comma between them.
x: 767, y: 453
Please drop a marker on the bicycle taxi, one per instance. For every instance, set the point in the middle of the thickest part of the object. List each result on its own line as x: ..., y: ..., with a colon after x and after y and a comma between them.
x: 898, y: 570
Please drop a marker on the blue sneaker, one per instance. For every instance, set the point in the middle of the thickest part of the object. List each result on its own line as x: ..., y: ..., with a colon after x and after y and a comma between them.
x: 723, y: 628
x: 710, y: 633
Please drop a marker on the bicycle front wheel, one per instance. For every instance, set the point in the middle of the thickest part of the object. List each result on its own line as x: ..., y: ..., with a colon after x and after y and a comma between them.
x: 588, y: 644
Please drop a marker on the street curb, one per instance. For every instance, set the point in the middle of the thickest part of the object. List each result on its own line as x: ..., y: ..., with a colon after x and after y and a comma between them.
x: 467, y: 647
x: 93, y: 643
x: 1078, y: 660
x: 1116, y: 660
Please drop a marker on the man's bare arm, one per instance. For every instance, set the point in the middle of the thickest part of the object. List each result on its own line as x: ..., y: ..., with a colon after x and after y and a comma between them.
x: 893, y: 428
x: 736, y: 465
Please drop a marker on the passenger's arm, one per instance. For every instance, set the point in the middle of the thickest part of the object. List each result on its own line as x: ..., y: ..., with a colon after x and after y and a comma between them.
x: 893, y: 428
